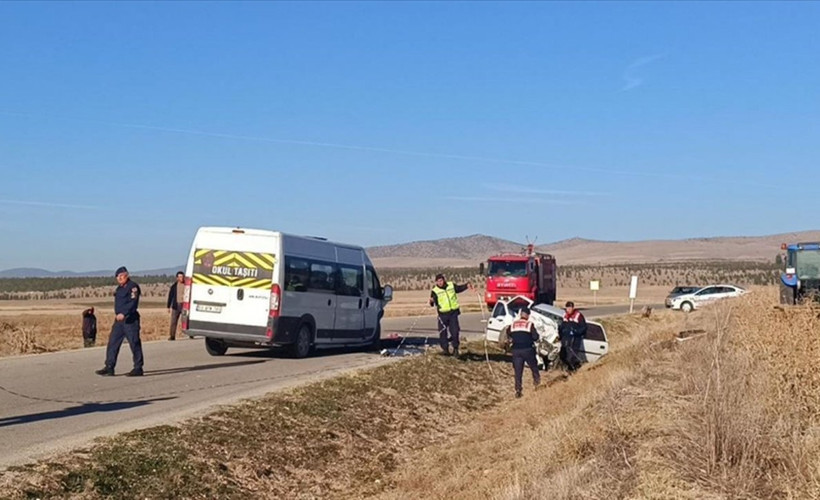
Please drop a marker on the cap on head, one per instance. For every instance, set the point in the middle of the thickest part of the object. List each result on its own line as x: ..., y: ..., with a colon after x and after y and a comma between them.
x: 570, y: 304
x: 120, y: 270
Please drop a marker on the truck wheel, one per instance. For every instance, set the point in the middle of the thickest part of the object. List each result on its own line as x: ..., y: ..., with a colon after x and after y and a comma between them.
x: 686, y: 307
x: 301, y: 348
x: 216, y: 347
x: 786, y: 295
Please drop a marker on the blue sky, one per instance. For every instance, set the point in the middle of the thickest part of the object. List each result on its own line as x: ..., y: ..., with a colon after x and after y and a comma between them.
x: 125, y: 126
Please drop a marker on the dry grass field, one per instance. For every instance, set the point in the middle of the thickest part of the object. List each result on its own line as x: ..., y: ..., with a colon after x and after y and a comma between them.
x: 731, y: 412
x: 57, y: 326
x: 34, y: 326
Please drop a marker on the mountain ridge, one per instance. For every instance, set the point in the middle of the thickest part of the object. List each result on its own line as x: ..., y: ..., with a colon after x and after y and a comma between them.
x: 463, y: 251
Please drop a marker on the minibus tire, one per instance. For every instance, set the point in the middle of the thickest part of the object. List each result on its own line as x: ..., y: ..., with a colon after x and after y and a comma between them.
x: 216, y: 347
x: 301, y: 347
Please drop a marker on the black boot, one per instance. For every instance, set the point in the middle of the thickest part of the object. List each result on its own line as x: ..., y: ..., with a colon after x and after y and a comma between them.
x: 105, y: 372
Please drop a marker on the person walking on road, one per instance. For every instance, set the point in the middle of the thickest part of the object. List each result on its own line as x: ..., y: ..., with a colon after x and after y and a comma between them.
x: 572, y: 331
x: 89, y: 328
x: 126, y: 325
x: 522, y: 337
x: 176, y: 295
x: 445, y: 297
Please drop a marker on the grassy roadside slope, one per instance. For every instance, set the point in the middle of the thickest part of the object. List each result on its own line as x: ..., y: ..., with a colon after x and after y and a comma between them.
x: 729, y: 414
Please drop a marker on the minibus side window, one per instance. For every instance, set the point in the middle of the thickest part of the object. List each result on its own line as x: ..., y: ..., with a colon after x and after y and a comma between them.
x: 351, y: 281
x: 322, y: 277
x: 297, y: 274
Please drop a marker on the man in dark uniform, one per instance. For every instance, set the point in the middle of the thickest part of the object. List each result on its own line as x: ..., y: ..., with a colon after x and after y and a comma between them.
x: 126, y: 325
x: 445, y: 297
x: 176, y: 296
x: 522, y: 337
x: 89, y: 328
x: 572, y: 332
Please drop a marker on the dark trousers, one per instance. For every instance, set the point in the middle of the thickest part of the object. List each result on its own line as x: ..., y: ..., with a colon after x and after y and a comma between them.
x: 89, y: 339
x: 448, y: 322
x: 572, y: 354
x: 124, y: 331
x: 521, y: 356
x: 175, y: 314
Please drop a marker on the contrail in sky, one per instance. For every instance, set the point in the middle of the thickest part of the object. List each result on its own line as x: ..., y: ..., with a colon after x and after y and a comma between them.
x: 351, y: 147
x: 630, y: 80
x: 46, y: 204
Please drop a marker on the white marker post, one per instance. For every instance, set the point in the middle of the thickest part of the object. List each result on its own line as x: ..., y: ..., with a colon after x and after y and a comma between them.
x: 594, y: 285
x: 633, y: 293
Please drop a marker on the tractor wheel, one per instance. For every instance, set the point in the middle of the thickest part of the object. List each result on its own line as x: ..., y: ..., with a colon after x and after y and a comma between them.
x: 787, y: 295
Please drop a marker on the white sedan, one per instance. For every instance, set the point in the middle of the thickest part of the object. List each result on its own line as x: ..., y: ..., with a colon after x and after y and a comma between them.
x: 705, y: 295
x: 546, y: 319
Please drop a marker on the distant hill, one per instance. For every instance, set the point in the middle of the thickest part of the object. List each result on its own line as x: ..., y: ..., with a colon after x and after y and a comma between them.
x: 749, y: 248
x: 471, y: 250
x: 468, y: 251
x: 34, y: 272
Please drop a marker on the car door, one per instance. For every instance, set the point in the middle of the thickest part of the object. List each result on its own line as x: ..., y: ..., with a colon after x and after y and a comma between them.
x: 705, y: 296
x: 373, y: 303
x: 319, y: 298
x: 499, y: 320
x: 727, y: 292
x: 595, y: 342
x: 349, y: 304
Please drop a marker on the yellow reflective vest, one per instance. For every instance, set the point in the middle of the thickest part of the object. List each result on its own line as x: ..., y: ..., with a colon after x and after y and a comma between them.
x: 446, y: 298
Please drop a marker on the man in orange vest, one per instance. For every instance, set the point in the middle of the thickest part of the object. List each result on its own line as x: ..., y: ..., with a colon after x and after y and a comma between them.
x: 523, y: 336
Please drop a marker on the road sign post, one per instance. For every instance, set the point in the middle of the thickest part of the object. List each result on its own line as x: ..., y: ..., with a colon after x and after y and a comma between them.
x: 633, y: 293
x: 594, y: 285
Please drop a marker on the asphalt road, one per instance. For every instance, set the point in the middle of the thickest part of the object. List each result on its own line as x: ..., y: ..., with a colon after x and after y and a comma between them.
x: 54, y: 402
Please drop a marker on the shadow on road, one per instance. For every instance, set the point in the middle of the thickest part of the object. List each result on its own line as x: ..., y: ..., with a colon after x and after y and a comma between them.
x: 74, y: 411
x: 196, y: 368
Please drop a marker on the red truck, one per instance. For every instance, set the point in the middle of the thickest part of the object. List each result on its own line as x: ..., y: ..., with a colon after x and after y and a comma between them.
x: 530, y: 274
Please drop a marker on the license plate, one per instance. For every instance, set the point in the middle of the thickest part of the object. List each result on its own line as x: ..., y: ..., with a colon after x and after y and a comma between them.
x: 208, y: 309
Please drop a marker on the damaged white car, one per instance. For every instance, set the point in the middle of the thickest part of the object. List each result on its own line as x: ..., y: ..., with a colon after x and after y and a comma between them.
x: 546, y: 319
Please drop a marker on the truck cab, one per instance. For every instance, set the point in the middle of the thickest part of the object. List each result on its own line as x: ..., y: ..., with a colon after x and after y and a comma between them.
x: 801, y: 276
x: 531, y: 275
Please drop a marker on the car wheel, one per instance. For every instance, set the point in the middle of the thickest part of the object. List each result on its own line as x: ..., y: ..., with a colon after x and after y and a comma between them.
x: 216, y: 347
x: 686, y: 307
x: 301, y: 348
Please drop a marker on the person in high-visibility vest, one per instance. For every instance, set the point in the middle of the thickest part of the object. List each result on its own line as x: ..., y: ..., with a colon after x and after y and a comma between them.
x: 522, y: 337
x: 445, y: 297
